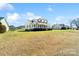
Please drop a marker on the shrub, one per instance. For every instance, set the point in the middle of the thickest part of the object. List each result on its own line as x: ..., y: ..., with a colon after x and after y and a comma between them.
x: 63, y: 28
x: 2, y: 28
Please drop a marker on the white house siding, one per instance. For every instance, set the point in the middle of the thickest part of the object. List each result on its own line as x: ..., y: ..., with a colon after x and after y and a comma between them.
x: 38, y: 23
x: 32, y: 26
x: 4, y: 23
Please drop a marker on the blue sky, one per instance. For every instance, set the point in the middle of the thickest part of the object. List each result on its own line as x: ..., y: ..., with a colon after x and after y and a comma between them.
x: 18, y: 13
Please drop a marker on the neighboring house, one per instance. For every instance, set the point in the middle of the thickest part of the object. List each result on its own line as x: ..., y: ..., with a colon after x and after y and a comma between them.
x: 60, y: 26
x: 4, y: 22
x: 36, y: 24
x: 20, y: 27
x: 12, y: 27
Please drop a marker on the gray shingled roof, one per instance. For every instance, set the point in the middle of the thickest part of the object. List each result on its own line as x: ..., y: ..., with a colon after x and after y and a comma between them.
x: 1, y: 18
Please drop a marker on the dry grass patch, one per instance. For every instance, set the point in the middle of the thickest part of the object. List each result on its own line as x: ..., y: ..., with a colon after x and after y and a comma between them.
x: 55, y: 42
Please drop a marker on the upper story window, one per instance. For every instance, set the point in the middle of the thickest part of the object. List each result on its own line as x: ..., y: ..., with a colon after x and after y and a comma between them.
x: 32, y: 21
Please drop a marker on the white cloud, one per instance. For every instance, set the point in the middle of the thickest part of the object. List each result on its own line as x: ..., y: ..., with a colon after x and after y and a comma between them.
x: 12, y: 16
x: 50, y: 9
x: 75, y: 17
x: 59, y: 18
x: 6, y: 6
x: 31, y: 16
x: 19, y: 19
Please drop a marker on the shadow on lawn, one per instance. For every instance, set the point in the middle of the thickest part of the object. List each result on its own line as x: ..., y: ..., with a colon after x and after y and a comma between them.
x: 33, y: 30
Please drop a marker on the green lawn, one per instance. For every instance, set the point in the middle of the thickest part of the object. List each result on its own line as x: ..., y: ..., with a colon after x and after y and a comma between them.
x: 55, y: 42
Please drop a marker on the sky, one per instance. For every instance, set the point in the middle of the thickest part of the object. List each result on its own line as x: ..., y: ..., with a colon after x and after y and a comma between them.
x: 56, y: 13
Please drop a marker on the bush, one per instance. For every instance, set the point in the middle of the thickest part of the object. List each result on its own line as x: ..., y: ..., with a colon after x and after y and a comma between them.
x: 63, y: 28
x: 2, y: 28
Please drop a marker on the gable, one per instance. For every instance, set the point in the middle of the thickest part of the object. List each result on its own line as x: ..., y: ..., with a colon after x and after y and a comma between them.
x: 4, y: 22
x: 2, y: 19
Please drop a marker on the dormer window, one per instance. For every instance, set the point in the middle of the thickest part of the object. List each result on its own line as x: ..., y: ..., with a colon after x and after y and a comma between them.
x: 32, y: 21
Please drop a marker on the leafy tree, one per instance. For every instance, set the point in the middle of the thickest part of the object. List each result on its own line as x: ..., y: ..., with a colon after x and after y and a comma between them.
x: 2, y: 28
x: 75, y: 22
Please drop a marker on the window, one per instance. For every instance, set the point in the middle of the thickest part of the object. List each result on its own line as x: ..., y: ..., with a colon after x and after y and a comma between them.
x: 27, y: 26
x: 34, y: 25
x: 38, y: 26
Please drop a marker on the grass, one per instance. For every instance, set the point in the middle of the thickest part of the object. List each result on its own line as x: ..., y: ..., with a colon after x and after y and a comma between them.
x: 43, y: 43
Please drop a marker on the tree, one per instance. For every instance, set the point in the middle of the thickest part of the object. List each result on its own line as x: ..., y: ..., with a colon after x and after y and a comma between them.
x: 75, y: 22
x: 2, y: 28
